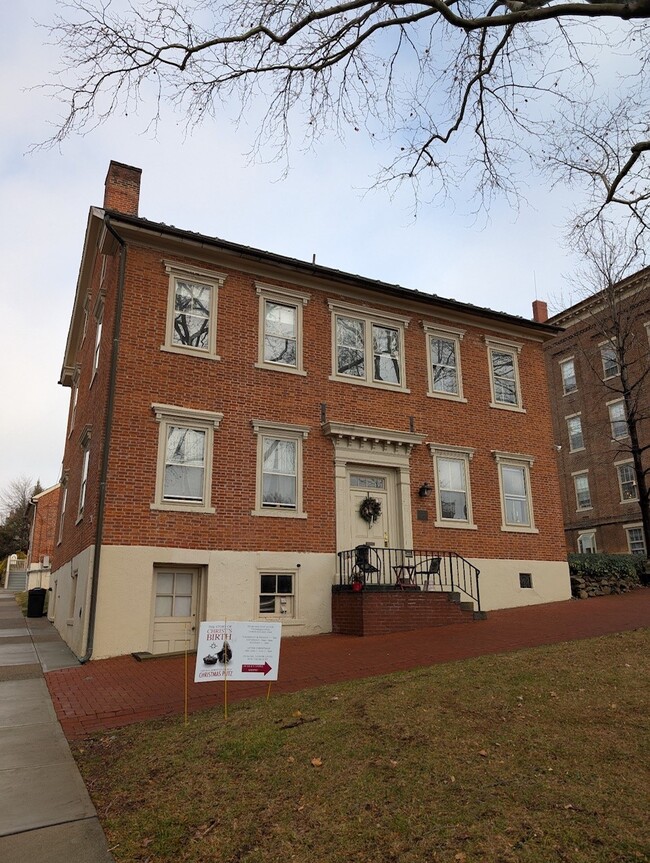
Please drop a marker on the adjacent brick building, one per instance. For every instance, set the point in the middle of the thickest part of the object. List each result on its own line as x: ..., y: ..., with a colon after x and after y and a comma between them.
x: 232, y: 409
x: 603, y: 333
x: 42, y: 513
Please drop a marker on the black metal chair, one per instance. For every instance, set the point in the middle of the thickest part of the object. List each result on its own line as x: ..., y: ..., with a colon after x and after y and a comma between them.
x: 367, y: 563
x: 429, y: 568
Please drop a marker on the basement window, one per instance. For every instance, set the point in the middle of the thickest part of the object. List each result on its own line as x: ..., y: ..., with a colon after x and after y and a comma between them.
x: 525, y: 580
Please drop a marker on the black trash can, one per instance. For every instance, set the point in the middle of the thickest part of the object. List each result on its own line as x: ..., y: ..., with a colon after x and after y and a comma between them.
x: 36, y: 601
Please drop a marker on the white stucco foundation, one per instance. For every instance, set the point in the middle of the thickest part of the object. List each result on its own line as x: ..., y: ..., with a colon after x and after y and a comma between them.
x: 228, y: 587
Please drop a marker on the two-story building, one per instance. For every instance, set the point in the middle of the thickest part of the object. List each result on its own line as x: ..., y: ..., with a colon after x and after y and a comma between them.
x: 242, y: 422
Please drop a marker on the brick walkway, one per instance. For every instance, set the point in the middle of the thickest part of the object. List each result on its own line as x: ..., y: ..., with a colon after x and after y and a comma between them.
x: 109, y: 693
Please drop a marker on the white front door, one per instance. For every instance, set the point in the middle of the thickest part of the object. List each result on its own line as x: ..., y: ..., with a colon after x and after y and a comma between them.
x: 380, y: 532
x: 175, y: 608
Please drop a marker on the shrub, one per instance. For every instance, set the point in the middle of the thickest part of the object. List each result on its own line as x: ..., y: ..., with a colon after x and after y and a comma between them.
x: 600, y: 566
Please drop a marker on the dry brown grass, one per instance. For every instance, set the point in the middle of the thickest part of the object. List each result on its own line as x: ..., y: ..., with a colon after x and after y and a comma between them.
x: 534, y: 756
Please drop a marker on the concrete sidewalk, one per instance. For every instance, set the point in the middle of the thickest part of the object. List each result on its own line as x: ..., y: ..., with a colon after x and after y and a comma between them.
x: 46, y: 815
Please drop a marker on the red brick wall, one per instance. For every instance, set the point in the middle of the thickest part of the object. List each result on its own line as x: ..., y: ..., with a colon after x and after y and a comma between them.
x: 44, y: 526
x: 242, y: 392
x: 380, y: 612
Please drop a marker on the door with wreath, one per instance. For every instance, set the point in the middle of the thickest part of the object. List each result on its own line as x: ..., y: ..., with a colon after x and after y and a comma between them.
x: 371, y: 504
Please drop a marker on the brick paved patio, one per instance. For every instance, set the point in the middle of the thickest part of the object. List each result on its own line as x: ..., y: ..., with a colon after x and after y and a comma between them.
x: 109, y: 693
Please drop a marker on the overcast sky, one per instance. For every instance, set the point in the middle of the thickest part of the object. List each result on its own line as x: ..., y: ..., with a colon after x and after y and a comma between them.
x: 204, y: 182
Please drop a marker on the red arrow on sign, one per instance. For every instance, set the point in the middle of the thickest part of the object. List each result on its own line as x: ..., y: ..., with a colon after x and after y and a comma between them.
x: 256, y: 669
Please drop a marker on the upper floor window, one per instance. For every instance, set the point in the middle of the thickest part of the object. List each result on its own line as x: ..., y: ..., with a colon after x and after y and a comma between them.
x: 185, y: 444
x: 574, y: 428
x: 98, y: 339
x: 627, y: 482
x: 504, y: 374
x: 279, y: 469
x: 281, y: 313
x: 635, y: 539
x: 583, y: 493
x: 445, y: 379
x: 516, y: 497
x: 64, y: 500
x: 568, y: 371
x: 617, y: 419
x: 192, y: 310
x: 368, y: 348
x: 609, y: 358
x: 453, y: 496
x: 84, y: 480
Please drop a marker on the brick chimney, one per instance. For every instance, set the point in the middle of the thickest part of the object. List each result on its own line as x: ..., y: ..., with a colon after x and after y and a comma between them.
x: 122, y: 188
x: 540, y: 311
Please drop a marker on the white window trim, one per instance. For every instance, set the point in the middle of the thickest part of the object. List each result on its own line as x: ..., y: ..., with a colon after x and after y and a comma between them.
x: 561, y: 362
x: 292, y: 620
x: 74, y: 397
x: 215, y: 281
x: 459, y: 453
x: 525, y: 462
x: 587, y: 533
x: 286, y: 297
x: 433, y: 331
x: 514, y: 348
x: 208, y: 421
x: 574, y: 476
x: 99, y: 323
x: 609, y: 405
x: 64, y: 503
x: 280, y: 431
x: 611, y: 344
x: 85, y: 464
x: 624, y: 463
x: 582, y: 431
x: 635, y: 526
x: 369, y: 317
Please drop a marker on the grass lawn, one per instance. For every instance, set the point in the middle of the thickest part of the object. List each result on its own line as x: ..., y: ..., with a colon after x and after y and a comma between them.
x: 539, y: 755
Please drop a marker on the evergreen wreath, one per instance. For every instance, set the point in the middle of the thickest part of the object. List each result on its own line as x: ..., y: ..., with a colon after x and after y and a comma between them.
x: 370, y: 509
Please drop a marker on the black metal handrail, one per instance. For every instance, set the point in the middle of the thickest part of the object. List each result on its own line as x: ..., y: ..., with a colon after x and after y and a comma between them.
x: 409, y: 568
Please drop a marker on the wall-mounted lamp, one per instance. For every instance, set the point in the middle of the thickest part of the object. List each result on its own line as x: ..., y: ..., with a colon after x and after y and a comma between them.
x: 425, y: 490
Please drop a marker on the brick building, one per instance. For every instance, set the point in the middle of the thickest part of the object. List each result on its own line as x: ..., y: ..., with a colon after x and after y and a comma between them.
x: 606, y: 338
x: 42, y: 513
x: 232, y: 413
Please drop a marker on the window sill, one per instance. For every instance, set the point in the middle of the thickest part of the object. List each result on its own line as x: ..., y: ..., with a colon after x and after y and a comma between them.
x: 279, y: 513
x: 630, y: 500
x: 579, y: 449
x: 277, y: 367
x: 570, y: 392
x: 515, y: 409
x: 584, y: 509
x: 79, y: 518
x: 179, y: 507
x: 447, y: 397
x: 455, y: 526
x: 508, y: 528
x: 359, y: 382
x: 70, y: 621
x: 189, y: 352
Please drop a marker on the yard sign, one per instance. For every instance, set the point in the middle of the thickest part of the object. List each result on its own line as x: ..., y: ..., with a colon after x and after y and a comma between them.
x: 237, y: 650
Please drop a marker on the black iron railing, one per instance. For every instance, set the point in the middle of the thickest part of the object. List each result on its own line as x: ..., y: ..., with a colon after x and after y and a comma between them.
x: 409, y: 569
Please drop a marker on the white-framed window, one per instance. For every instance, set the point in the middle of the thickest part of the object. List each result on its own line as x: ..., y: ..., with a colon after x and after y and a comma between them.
x: 503, y: 360
x: 583, y: 493
x: 277, y: 594
x: 279, y: 469
x: 368, y: 346
x: 281, y: 328
x: 84, y: 478
x: 515, y: 492
x: 192, y: 310
x: 74, y: 397
x: 99, y: 317
x: 627, y: 481
x: 635, y: 539
x: 184, y: 468
x: 574, y: 429
x: 64, y: 501
x: 617, y: 419
x: 452, y: 484
x: 443, y: 350
x: 587, y: 542
x: 609, y: 359
x: 568, y: 372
